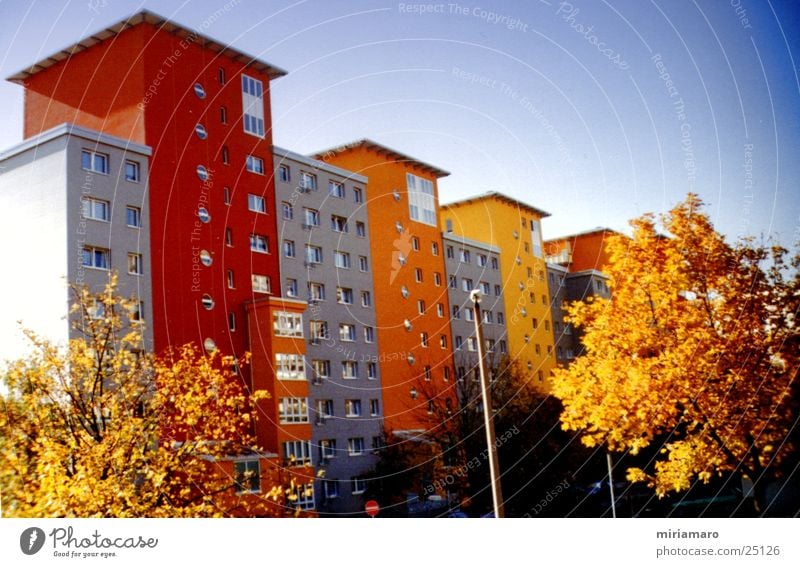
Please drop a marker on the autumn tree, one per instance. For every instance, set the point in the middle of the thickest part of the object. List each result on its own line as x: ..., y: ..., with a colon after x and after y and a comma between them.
x: 103, y: 429
x: 697, y: 350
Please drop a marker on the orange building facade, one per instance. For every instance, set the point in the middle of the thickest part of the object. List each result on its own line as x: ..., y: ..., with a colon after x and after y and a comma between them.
x: 582, y: 251
x: 408, y: 269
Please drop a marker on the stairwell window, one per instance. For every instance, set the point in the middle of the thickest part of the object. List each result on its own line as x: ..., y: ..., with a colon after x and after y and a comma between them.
x: 293, y: 410
x: 259, y: 243
x: 255, y: 165
x: 253, y: 106
x: 256, y: 203
x: 131, y: 171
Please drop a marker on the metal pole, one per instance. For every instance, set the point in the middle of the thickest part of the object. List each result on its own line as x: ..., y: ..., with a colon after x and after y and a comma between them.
x: 488, y: 414
x: 611, y: 486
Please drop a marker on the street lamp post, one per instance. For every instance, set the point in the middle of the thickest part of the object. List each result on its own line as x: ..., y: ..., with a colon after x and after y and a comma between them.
x: 488, y: 414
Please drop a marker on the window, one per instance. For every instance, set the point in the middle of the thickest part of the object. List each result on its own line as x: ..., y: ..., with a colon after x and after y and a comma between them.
x: 487, y: 317
x: 93, y: 257
x: 453, y: 282
x: 358, y: 485
x: 435, y: 248
x: 355, y: 446
x: 344, y: 295
x: 283, y: 173
x: 485, y: 288
x: 546, y: 325
x: 341, y: 259
x: 310, y: 218
x: 252, y: 106
x: 313, y: 254
x: 96, y: 209
x: 440, y: 310
x: 427, y: 373
x: 137, y: 312
x: 203, y: 215
x: 308, y: 181
x: 291, y: 287
x: 336, y: 189
x: 287, y: 324
x: 287, y: 211
x: 567, y: 329
x: 450, y: 253
x: 221, y: 76
x: 330, y: 489
x: 459, y: 342
x: 324, y: 411
x: 500, y: 318
x: 369, y: 334
x: 535, y: 323
x: 352, y: 408
x: 372, y: 370
x: 443, y: 342
x: 338, y: 224
x: 502, y: 347
x: 288, y: 249
x: 256, y: 203
x: 437, y: 279
x: 297, y: 453
x: 131, y: 171
x: 418, y: 275
x: 469, y: 314
x: 423, y: 339
x: 199, y: 91
x: 466, y: 284
x: 464, y: 256
x: 293, y: 410
x: 538, y: 349
x: 421, y: 306
x: 316, y: 291
x: 223, y: 114
x: 366, y: 299
x: 290, y: 366
x: 358, y: 195
x: 361, y: 229
x: 302, y: 496
x: 536, y: 238
x: 363, y: 263
x: 327, y: 447
x: 261, y: 284
x: 349, y: 369
x: 225, y: 155
x: 321, y: 368
x: 482, y: 260
x: 135, y: 264
x: 202, y: 172
x: 374, y: 407
x: 226, y: 195
x: 421, y: 204
x: 228, y: 237
x: 415, y: 243
x: 94, y: 161
x: 495, y: 264
x: 255, y: 165
x: 259, y: 243
x: 472, y: 344
x: 248, y: 476
x: 200, y: 130
x: 549, y: 350
x: 347, y: 332
x: 456, y: 312
x: 497, y: 290
x: 231, y: 281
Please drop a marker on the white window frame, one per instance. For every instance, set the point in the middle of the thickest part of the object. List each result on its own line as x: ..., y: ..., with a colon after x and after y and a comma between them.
x: 349, y: 369
x: 341, y: 260
x: 102, y: 167
x: 293, y: 410
x: 90, y: 207
x: 253, y: 106
x: 313, y: 254
x: 356, y: 446
x: 352, y: 408
x: 290, y: 366
x: 249, y: 465
x: 135, y: 264
x: 259, y: 243
x: 287, y: 324
x: 261, y: 283
x: 134, y: 165
x: 255, y: 164
x: 93, y: 251
x: 136, y: 212
x: 336, y: 189
x: 347, y: 332
x: 256, y: 203
x: 421, y: 200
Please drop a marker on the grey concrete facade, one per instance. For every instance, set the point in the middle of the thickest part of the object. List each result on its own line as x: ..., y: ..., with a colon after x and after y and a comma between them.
x: 325, y: 259
x: 71, y: 225
x: 469, y: 265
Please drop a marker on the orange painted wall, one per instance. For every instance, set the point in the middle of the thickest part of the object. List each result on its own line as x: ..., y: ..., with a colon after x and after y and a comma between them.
x: 589, y: 251
x: 401, y: 412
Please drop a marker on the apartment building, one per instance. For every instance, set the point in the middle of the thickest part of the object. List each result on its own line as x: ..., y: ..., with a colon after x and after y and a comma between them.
x: 408, y: 271
x: 325, y: 260
x: 473, y: 265
x: 515, y: 228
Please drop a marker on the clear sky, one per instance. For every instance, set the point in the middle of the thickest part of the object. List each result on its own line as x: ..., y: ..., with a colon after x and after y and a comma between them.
x: 596, y: 111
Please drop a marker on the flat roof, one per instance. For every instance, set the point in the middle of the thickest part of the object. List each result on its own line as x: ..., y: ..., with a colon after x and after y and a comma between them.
x: 69, y: 129
x: 595, y: 230
x: 381, y: 149
x: 162, y: 23
x: 496, y: 195
x: 318, y: 164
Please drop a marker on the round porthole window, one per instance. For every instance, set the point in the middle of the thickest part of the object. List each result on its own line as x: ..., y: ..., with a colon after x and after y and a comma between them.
x: 203, y: 214
x: 202, y: 172
x: 200, y: 130
x: 205, y: 258
x: 404, y: 292
x: 209, y: 345
x: 396, y: 195
x: 207, y: 301
x: 407, y: 324
x: 411, y: 359
x: 199, y: 91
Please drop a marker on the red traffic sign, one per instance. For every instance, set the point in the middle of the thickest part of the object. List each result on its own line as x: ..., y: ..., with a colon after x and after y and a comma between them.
x: 372, y: 508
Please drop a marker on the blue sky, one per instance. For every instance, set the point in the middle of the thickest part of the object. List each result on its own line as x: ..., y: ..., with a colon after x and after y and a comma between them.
x: 594, y: 111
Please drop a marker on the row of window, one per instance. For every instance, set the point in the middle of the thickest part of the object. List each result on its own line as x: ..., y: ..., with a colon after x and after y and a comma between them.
x: 100, y: 259
x: 465, y: 257
x: 100, y: 210
x: 289, y: 366
x: 314, y: 256
x: 489, y: 344
x: 295, y: 410
x: 98, y: 162
x: 308, y: 182
x: 469, y: 315
x: 467, y: 284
